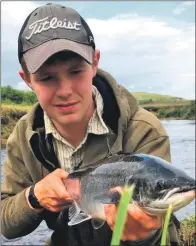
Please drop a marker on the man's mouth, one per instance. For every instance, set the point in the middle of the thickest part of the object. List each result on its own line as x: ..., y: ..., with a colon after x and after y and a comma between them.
x: 66, y: 107
x: 65, y: 104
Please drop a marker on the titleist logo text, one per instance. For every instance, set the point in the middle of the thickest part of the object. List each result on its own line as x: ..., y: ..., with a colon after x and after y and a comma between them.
x: 44, y: 25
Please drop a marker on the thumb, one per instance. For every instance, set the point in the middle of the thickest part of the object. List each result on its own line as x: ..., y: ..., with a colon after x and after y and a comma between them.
x: 61, y: 173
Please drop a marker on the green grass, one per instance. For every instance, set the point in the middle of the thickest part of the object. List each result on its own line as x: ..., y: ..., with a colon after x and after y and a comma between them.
x: 11, y: 103
x: 122, y: 214
x: 158, y: 105
x: 165, y: 227
x: 13, y: 106
x: 144, y: 97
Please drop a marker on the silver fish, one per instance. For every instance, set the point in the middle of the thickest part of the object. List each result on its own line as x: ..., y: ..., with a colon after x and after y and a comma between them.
x: 157, y: 184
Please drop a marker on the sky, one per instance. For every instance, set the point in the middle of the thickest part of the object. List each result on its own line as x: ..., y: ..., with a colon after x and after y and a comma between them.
x: 147, y: 46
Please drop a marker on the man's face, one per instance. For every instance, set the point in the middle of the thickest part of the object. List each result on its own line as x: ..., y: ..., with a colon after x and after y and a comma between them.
x: 64, y: 89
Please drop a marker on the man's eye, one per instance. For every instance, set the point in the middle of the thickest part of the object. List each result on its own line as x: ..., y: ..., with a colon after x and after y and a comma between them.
x: 47, y: 78
x: 76, y: 71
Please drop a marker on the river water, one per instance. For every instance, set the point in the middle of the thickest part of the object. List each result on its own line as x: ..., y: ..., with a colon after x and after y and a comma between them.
x: 182, y: 139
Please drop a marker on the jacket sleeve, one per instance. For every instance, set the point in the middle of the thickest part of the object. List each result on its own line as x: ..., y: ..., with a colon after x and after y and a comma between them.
x: 17, y: 218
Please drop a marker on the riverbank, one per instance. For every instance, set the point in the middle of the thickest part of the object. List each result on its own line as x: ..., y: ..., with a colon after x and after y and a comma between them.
x: 180, y: 110
x: 10, y: 114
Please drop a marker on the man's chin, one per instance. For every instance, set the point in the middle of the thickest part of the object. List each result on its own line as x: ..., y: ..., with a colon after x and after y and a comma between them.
x: 67, y: 120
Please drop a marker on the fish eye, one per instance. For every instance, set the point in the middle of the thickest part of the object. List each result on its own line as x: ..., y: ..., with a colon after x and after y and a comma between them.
x: 160, y: 185
x: 175, y: 180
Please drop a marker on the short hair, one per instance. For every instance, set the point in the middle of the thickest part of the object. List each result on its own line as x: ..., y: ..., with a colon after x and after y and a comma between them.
x: 24, y: 67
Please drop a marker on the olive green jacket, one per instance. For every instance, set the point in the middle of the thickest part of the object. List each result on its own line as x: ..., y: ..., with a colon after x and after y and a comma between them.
x: 30, y: 156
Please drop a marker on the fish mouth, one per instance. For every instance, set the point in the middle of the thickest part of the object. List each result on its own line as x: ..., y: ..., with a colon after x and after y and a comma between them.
x: 177, y: 197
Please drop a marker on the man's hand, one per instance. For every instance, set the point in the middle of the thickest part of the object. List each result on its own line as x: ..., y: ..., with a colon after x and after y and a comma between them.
x: 51, y: 191
x: 138, y: 225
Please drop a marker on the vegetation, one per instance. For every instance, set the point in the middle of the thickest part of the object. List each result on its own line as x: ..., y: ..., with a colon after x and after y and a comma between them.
x: 149, y: 98
x: 10, y: 95
x: 166, y: 225
x: 188, y: 231
x: 125, y: 199
x: 167, y: 107
x: 185, y: 112
x: 10, y: 114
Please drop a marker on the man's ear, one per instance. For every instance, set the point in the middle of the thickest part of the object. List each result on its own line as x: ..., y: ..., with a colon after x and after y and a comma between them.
x: 96, y: 62
x: 25, y: 78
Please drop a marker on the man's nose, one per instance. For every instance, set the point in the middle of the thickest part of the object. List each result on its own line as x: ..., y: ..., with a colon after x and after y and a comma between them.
x: 64, y: 87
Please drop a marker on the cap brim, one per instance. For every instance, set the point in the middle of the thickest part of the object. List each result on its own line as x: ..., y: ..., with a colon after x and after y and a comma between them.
x: 36, y: 57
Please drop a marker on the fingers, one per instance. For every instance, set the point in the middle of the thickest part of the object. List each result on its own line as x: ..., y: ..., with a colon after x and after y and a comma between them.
x: 132, y: 230
x: 110, y: 213
x: 51, y: 191
x: 57, y: 206
x: 117, y: 189
x: 61, y: 173
x: 146, y: 221
x: 134, y: 234
x: 138, y: 225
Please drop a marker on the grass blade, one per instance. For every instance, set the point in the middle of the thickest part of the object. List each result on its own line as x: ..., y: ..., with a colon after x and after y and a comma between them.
x: 126, y: 198
x: 165, y: 227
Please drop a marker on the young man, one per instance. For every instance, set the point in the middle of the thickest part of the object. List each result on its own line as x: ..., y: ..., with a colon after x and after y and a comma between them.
x: 82, y: 116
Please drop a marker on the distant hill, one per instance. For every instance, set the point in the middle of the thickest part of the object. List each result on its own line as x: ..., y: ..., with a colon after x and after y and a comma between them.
x: 145, y: 97
x: 155, y: 102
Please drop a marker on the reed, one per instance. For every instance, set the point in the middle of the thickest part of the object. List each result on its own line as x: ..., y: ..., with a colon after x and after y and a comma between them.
x: 126, y: 198
x: 165, y: 226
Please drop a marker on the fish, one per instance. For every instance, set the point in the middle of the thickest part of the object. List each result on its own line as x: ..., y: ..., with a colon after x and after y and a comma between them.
x: 157, y: 185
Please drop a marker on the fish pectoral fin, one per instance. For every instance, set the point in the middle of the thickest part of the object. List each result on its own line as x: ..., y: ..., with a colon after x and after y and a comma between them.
x: 81, y: 217
x: 74, y: 210
x: 97, y: 223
